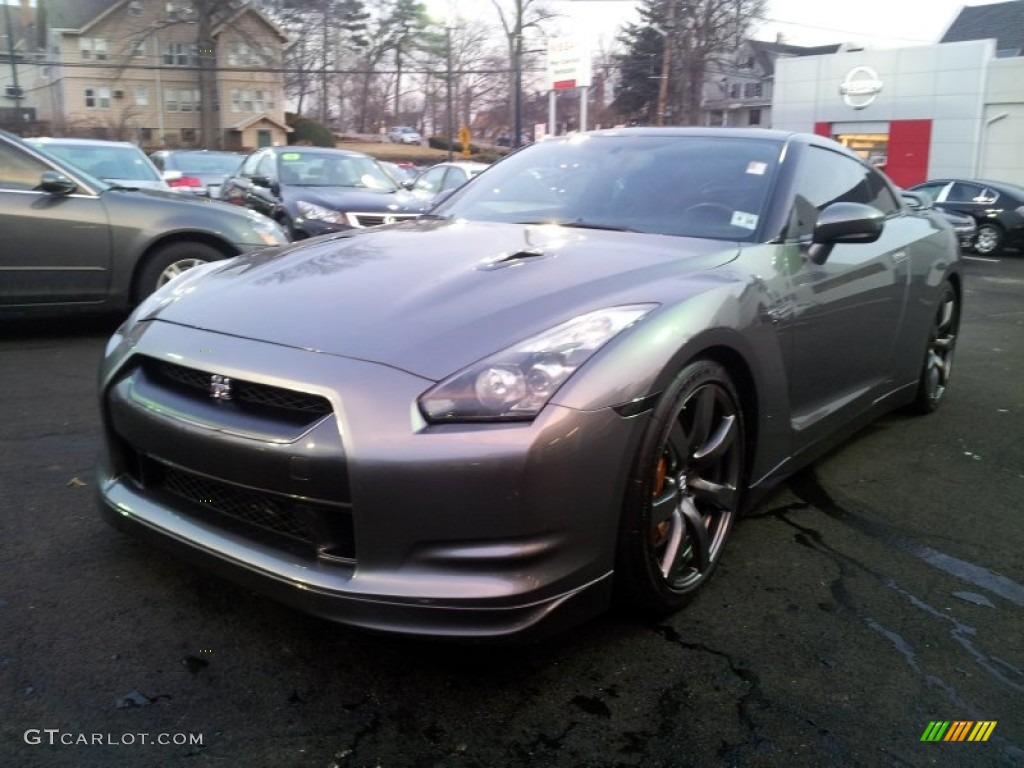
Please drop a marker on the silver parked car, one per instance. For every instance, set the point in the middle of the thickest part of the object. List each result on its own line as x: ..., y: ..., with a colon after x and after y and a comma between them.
x: 564, y: 384
x: 120, y: 163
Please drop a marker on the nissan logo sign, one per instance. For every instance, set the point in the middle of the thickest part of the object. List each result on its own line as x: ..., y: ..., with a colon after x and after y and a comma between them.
x: 860, y: 87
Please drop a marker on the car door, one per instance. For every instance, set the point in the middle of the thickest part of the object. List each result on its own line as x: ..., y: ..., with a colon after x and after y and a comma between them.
x: 56, y: 248
x: 975, y: 200
x: 848, y: 311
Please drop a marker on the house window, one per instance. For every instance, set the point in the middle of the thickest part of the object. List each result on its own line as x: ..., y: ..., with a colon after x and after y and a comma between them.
x: 97, y: 98
x: 145, y: 135
x: 236, y: 100
x: 734, y: 90
x: 752, y: 90
x: 170, y: 100
x: 188, y: 135
x: 755, y: 117
x: 142, y: 96
x: 188, y: 100
x: 180, y: 55
x: 138, y: 48
x: 93, y: 48
x: 135, y: 8
x: 716, y: 117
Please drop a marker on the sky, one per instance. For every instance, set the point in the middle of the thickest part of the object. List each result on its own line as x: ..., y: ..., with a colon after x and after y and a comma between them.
x: 878, y: 23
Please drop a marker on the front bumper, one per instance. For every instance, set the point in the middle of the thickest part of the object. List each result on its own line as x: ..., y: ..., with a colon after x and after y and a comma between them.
x: 457, y: 530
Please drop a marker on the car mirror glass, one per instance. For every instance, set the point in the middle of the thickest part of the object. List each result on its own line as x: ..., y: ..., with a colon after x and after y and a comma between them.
x: 56, y: 183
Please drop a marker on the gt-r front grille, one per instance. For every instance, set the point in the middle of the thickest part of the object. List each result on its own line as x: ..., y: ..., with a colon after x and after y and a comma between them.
x: 253, y: 507
x: 310, y: 527
x: 356, y: 219
x: 242, y: 391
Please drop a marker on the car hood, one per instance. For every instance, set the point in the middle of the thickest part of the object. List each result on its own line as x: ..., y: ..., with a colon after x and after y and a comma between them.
x: 160, y: 201
x: 431, y: 297
x: 350, y: 199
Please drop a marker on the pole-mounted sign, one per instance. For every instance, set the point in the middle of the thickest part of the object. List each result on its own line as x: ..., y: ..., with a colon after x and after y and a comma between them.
x: 568, y: 63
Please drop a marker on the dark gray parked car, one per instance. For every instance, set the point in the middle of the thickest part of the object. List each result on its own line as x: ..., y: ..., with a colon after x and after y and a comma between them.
x: 565, y: 383
x: 68, y: 239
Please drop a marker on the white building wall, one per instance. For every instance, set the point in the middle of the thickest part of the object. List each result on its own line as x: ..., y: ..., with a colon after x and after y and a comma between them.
x: 974, y: 100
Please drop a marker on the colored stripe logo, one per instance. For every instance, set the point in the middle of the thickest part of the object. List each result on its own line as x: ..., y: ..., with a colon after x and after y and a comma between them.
x: 958, y: 730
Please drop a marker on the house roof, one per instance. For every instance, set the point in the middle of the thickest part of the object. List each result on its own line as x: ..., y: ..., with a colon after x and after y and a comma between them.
x: 1003, y: 22
x: 75, y: 14
x: 766, y: 53
x: 241, y: 126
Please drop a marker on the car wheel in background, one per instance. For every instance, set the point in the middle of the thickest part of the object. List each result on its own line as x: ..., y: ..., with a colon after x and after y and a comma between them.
x: 684, y: 491
x: 938, y: 357
x: 989, y: 239
x: 170, y: 261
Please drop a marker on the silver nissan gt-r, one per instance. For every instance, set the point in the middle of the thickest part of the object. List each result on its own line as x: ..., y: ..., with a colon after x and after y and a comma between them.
x: 561, y: 386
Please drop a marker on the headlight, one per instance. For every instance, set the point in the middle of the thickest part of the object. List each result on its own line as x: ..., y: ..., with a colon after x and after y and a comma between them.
x: 319, y: 213
x: 517, y: 382
x: 269, y: 232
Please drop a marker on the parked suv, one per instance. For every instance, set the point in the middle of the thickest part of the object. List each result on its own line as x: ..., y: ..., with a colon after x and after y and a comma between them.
x: 72, y: 240
x: 403, y: 134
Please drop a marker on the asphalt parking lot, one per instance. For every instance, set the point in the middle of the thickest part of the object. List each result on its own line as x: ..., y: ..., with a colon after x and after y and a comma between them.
x: 880, y: 590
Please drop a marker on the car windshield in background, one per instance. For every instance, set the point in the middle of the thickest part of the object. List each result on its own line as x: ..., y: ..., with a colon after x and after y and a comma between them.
x: 204, y: 162
x: 106, y: 162
x: 697, y: 187
x: 302, y: 169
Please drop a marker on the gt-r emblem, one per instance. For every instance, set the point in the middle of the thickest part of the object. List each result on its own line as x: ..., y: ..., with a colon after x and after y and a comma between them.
x: 388, y: 219
x: 220, y: 387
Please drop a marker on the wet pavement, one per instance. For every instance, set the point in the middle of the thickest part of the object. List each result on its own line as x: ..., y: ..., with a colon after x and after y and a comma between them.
x: 878, y: 591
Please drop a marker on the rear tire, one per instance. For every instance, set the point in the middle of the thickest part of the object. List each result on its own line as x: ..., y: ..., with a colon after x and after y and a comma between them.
x: 170, y: 261
x: 989, y: 240
x: 684, y: 491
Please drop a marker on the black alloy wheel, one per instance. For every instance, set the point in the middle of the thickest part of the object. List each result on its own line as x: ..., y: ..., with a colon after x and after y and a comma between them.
x: 938, y: 357
x: 685, y: 491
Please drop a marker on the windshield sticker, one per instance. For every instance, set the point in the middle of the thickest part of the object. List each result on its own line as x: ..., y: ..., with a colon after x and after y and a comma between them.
x: 744, y: 220
x: 757, y: 168
x: 291, y: 156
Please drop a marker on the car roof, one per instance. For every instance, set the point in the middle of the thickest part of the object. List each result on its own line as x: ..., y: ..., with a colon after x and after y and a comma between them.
x: 82, y: 142
x: 1000, y: 186
x: 318, y: 151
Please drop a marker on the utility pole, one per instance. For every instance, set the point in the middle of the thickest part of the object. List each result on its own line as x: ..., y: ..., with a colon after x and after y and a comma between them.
x: 16, y: 89
x: 666, y: 63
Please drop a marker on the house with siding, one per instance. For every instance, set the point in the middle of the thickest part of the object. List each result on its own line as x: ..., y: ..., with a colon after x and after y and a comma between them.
x: 130, y: 70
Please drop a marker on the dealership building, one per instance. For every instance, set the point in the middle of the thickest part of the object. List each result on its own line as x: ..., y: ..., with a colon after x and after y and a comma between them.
x: 954, y: 109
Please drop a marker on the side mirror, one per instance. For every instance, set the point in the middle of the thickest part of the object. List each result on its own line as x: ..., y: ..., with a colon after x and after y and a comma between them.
x: 261, y: 181
x: 915, y: 201
x: 844, y: 223
x: 55, y: 183
x: 407, y: 184
x: 170, y: 176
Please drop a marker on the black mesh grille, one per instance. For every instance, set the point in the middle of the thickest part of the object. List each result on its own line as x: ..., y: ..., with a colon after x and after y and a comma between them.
x: 243, y: 391
x: 253, y: 507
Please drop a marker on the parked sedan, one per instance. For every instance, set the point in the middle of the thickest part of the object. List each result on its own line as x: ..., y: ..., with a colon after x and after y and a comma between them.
x: 200, y: 171
x: 997, y: 207
x: 563, y: 384
x: 313, y: 191
x: 71, y: 240
x: 963, y: 226
x: 404, y: 134
x: 116, y: 162
x: 445, y: 177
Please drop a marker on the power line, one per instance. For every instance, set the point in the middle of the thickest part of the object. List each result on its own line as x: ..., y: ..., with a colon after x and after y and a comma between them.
x: 846, y: 31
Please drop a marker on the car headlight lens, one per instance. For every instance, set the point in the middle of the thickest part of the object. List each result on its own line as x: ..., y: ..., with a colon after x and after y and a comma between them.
x: 319, y: 213
x: 269, y: 231
x: 514, y: 384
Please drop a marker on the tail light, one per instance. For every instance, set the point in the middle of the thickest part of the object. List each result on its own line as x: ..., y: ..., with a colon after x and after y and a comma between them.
x: 186, y: 181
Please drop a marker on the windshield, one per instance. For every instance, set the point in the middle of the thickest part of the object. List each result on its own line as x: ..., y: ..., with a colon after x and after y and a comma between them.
x: 692, y: 186
x: 300, y: 169
x: 106, y: 162
x: 204, y: 162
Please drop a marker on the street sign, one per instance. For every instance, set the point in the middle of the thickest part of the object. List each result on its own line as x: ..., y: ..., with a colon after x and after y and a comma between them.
x: 568, y: 63
x: 465, y: 139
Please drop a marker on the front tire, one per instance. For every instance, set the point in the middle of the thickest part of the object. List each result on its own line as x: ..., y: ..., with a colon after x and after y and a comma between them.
x: 938, y: 357
x: 170, y: 261
x: 684, y: 491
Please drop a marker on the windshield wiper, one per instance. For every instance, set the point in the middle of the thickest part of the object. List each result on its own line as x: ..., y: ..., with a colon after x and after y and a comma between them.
x: 581, y: 224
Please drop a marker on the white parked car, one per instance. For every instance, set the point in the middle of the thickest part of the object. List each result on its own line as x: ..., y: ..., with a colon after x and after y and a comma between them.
x: 403, y: 134
x: 120, y: 163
